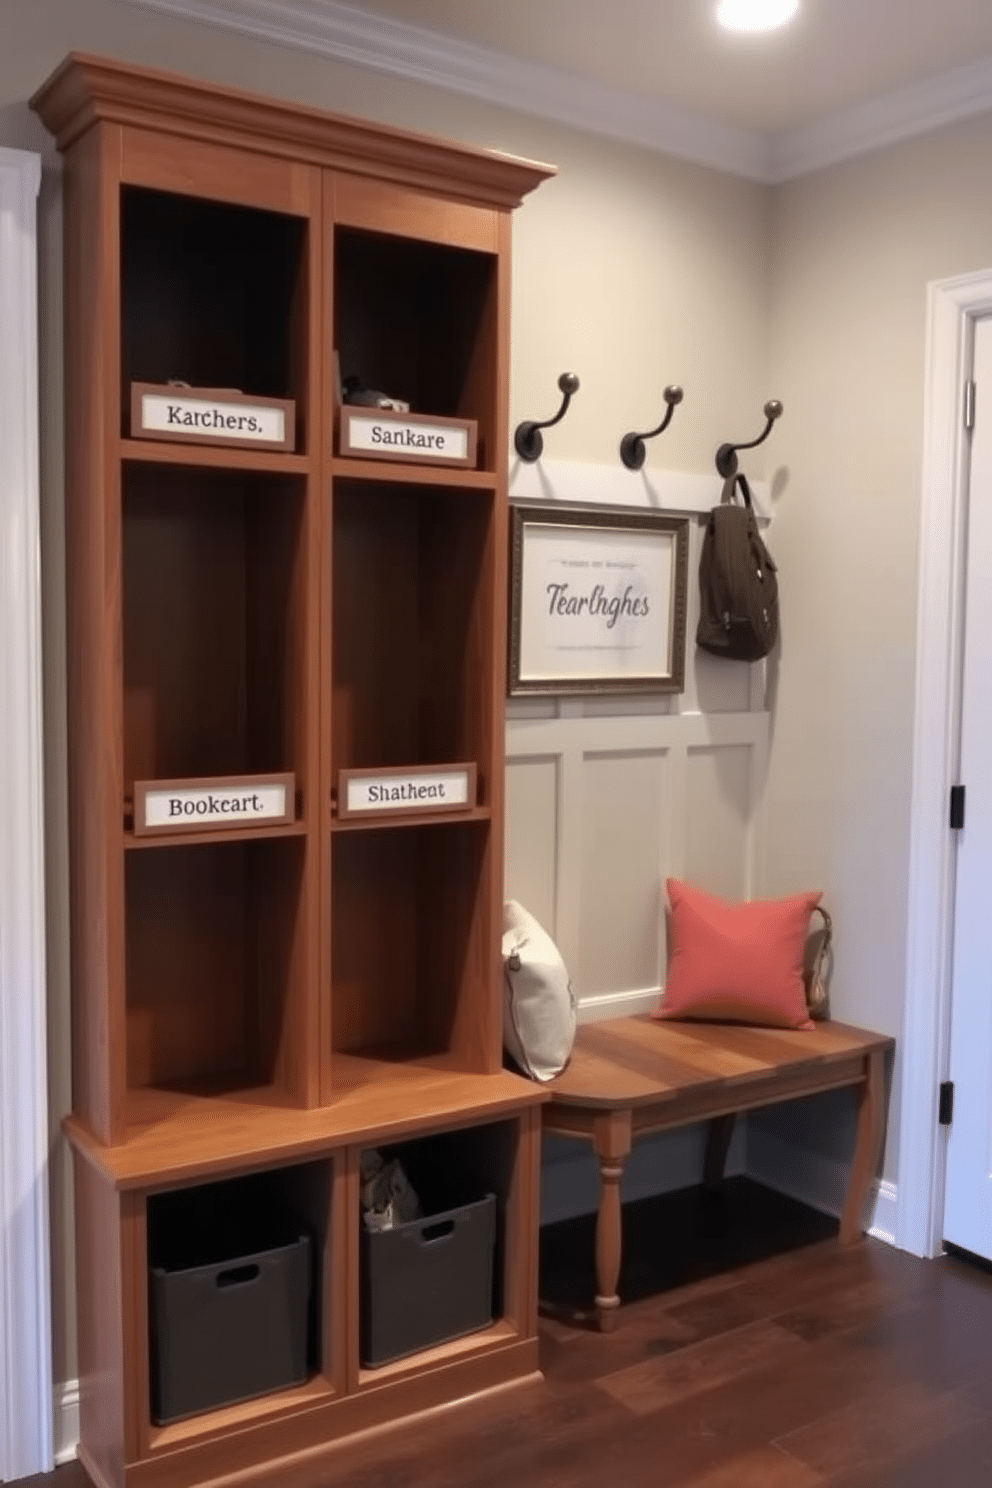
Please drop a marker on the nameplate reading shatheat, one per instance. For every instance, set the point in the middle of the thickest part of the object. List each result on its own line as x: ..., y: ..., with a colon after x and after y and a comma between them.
x: 380, y: 435
x: 211, y: 416
x: 217, y: 805
x: 406, y: 792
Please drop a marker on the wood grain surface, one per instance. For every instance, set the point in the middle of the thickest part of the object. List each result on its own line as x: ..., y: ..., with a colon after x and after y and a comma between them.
x: 862, y: 1367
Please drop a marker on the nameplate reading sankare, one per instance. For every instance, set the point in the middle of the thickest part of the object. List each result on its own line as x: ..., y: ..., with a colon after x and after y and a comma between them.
x: 381, y: 435
x: 213, y: 805
x: 211, y: 416
x: 406, y: 792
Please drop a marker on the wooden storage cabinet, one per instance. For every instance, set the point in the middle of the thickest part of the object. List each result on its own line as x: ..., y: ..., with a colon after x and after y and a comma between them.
x: 255, y: 1003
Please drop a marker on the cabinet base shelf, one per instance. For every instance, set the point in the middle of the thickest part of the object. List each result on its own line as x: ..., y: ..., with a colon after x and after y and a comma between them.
x: 316, y: 1391
x: 176, y: 1136
x: 265, y: 1453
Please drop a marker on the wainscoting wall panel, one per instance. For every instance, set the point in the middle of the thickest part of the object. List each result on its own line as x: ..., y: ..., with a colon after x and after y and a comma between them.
x: 626, y: 822
x: 720, y: 790
x: 532, y: 795
x: 631, y: 799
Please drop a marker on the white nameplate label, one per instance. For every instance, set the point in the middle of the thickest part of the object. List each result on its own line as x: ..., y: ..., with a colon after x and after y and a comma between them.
x: 181, y: 415
x: 183, y: 806
x: 449, y: 788
x: 407, y: 437
x: 211, y: 416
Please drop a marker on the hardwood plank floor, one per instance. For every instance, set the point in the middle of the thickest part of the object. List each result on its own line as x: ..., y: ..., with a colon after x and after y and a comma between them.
x: 859, y: 1367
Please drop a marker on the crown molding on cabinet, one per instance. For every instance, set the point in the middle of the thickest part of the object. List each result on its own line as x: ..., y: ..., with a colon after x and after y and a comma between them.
x: 333, y: 30
x: 385, y: 45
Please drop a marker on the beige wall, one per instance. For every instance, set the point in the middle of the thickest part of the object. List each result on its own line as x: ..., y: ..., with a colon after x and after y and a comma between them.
x: 631, y: 269
x: 853, y: 249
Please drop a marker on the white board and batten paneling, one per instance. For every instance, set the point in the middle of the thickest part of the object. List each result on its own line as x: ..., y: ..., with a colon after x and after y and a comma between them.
x: 607, y: 795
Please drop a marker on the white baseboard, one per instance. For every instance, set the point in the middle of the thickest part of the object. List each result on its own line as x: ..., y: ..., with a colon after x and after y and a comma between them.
x: 883, y: 1223
x: 813, y: 1179
x: 66, y: 1406
x: 618, y: 1004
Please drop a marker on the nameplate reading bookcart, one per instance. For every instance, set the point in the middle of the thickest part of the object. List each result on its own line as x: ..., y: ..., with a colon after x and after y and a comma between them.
x: 217, y: 804
x: 211, y: 416
x: 377, y: 434
x: 419, y: 792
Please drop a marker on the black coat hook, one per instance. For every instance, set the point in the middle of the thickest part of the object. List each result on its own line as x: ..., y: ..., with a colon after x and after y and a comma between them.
x: 726, y: 455
x: 632, y: 451
x: 527, y: 440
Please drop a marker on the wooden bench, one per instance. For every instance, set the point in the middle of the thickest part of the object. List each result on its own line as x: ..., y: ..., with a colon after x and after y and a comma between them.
x: 636, y: 1075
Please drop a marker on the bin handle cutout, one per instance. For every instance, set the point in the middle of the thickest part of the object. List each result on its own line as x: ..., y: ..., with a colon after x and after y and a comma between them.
x: 239, y: 1275
x: 437, y: 1231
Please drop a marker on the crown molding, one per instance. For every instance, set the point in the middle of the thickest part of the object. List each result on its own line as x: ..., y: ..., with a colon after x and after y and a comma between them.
x: 378, y: 42
x: 959, y: 94
x: 330, y: 29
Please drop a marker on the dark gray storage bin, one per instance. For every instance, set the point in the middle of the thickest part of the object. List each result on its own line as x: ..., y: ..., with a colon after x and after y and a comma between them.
x: 428, y: 1281
x: 229, y: 1293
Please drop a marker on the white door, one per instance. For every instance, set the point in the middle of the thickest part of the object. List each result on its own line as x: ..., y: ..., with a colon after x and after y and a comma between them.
x: 968, y: 1189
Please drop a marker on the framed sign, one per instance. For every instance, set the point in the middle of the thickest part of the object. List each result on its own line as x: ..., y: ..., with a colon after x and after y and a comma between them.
x: 598, y: 601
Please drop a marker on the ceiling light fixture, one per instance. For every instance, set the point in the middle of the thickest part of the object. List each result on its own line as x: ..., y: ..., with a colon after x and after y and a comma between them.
x: 755, y: 15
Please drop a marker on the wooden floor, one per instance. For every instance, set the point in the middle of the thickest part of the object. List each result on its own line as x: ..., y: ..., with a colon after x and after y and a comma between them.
x: 820, y: 1365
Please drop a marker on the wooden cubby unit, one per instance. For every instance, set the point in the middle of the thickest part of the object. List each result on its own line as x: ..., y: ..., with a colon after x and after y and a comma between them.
x: 256, y: 1004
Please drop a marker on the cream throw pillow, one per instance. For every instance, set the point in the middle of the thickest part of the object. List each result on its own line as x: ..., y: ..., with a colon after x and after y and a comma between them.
x: 539, y: 1014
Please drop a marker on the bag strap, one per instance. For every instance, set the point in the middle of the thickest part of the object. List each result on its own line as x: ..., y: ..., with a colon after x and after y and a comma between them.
x: 729, y: 489
x: 816, y: 995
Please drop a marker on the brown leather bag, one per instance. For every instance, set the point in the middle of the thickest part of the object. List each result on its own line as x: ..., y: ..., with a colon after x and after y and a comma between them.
x: 738, y: 584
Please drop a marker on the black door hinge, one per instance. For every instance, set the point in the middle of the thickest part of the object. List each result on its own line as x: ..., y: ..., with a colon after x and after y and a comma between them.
x: 957, y: 808
x: 945, y: 1109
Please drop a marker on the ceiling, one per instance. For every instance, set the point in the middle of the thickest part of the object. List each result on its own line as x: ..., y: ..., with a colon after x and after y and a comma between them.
x: 845, y: 75
x: 835, y: 54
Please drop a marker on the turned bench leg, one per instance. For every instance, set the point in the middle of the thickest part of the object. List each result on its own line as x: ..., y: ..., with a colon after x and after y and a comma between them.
x: 867, y: 1147
x: 611, y: 1143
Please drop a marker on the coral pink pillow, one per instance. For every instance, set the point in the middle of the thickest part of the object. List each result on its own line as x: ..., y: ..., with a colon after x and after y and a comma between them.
x: 736, y: 963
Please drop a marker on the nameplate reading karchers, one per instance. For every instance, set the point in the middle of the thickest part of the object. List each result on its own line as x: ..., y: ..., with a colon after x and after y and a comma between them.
x: 376, y: 434
x: 406, y: 792
x: 216, y: 805
x: 211, y: 416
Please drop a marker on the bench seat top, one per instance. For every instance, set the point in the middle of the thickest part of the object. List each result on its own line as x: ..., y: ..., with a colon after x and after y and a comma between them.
x: 642, y: 1061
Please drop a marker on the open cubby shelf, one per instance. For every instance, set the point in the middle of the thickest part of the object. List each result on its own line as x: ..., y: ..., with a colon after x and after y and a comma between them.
x: 212, y: 946
x: 211, y: 295
x: 408, y: 931
x: 214, y: 622
x: 414, y: 585
x: 254, y: 1006
x: 415, y: 320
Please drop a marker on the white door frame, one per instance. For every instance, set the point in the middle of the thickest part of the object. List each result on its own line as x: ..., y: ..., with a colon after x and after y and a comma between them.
x: 953, y: 306
x: 25, y: 1307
